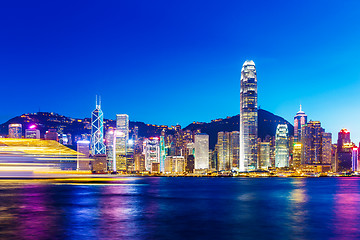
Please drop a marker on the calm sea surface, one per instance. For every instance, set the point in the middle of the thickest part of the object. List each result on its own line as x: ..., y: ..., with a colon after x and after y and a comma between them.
x: 182, y: 208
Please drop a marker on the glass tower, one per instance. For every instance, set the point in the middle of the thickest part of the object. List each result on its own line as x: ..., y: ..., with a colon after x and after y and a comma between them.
x: 97, y: 130
x: 248, y: 117
x: 281, y: 146
x: 121, y: 139
x: 201, y: 151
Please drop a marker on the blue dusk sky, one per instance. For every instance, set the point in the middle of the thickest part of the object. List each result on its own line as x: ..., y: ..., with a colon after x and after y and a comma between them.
x: 169, y: 62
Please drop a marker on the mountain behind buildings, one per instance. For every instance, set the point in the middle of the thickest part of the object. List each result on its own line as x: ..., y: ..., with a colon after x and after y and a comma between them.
x: 267, y: 123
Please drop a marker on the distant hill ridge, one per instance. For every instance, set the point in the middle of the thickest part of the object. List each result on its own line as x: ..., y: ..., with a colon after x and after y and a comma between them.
x: 267, y: 123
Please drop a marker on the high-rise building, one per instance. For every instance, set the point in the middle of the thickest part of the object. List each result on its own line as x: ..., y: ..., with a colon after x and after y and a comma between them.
x: 344, y: 151
x: 355, y: 159
x: 326, y: 146
x: 300, y: 119
x: 110, y: 156
x: 311, y: 143
x: 189, y: 157
x: 121, y: 139
x: 296, y: 158
x: 97, y: 130
x: 316, y: 144
x: 152, y: 152
x: 282, y: 146
x: 264, y: 155
x: 162, y: 153
x: 248, y: 117
x: 234, y: 149
x: 83, y: 149
x: 201, y: 151
x: 15, y: 130
x: 223, y: 151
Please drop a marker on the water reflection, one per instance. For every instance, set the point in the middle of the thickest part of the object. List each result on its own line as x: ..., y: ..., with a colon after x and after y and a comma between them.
x: 183, y: 208
x: 120, y: 211
x: 33, y: 216
x: 297, y: 209
x: 346, y: 209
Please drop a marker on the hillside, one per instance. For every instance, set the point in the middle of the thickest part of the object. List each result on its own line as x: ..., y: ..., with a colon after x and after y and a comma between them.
x: 267, y: 123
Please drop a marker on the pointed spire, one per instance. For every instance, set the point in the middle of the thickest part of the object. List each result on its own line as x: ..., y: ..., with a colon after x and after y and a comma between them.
x: 300, y: 107
x: 98, y: 102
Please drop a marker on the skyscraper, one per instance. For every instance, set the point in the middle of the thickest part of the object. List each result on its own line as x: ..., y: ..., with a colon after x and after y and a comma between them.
x: 282, y: 146
x: 264, y: 155
x: 300, y: 119
x: 152, y: 152
x: 201, y: 151
x: 248, y: 117
x: 83, y: 161
x: 344, y: 151
x: 326, y: 147
x: 355, y: 159
x: 121, y: 139
x: 234, y: 149
x: 223, y: 152
x: 316, y: 144
x: 97, y: 130
x: 110, y: 156
x: 162, y: 154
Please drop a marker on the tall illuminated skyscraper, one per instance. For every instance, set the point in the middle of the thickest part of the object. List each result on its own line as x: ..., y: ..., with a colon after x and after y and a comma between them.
x: 355, y: 159
x: 162, y: 153
x: 109, y: 142
x: 201, y: 151
x: 264, y: 155
x: 152, y: 152
x: 223, y: 152
x: 282, y: 146
x: 248, y: 117
x: 344, y: 151
x: 300, y: 119
x: 234, y: 149
x: 121, y: 139
x: 97, y: 130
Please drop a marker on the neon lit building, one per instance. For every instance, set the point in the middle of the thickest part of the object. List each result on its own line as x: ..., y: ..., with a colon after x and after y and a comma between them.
x: 121, y: 139
x: 97, y: 130
x: 355, y: 159
x: 248, y: 117
x: 32, y: 132
x: 15, y: 130
x: 162, y: 154
x: 282, y: 146
x: 300, y: 119
x: 152, y: 152
x: 344, y: 151
x: 201, y: 151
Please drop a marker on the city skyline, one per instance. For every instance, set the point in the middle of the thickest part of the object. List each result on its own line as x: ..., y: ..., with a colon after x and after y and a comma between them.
x: 157, y: 61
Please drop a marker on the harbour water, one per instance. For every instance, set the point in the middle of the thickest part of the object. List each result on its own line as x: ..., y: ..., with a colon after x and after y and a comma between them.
x: 181, y: 208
